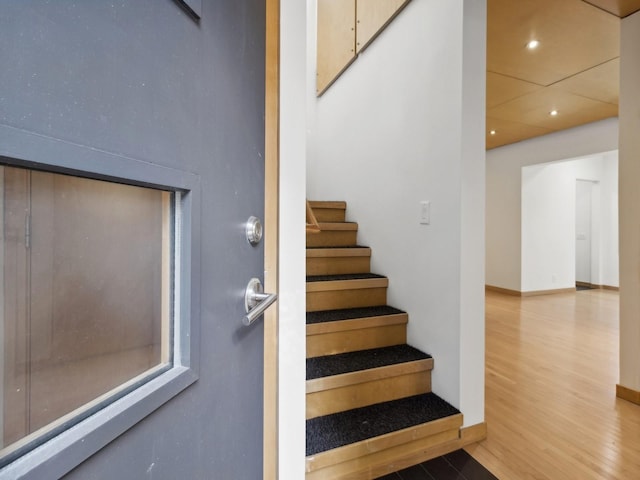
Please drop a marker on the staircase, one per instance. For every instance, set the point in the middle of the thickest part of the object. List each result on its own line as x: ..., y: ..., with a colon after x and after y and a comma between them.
x: 370, y: 410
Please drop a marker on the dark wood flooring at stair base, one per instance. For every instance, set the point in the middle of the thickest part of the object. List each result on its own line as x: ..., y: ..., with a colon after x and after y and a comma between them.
x: 458, y: 465
x: 362, y: 360
x: 339, y: 429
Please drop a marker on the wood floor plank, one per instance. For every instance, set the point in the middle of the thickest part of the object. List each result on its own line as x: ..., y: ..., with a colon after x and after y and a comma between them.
x: 551, y: 374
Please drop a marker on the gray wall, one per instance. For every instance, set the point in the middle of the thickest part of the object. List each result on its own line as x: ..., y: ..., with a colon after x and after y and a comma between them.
x: 142, y: 79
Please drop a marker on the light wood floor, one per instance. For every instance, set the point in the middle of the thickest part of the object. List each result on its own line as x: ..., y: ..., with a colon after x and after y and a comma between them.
x: 551, y: 371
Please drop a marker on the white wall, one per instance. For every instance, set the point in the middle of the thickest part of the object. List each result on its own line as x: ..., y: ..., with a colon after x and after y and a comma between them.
x: 609, y: 260
x: 504, y: 192
x: 630, y: 203
x: 472, y: 213
x: 291, y: 302
x: 400, y: 126
x: 549, y: 222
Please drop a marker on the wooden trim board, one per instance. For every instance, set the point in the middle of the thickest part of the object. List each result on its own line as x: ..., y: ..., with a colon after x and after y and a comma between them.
x: 597, y: 287
x: 628, y: 394
x: 373, y: 17
x: 312, y: 222
x: 270, y: 437
x: 336, y: 40
x: 531, y: 293
x: 506, y: 291
x: 472, y: 434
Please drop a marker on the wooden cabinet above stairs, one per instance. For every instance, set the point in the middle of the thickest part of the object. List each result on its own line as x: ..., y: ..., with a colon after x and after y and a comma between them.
x: 370, y: 410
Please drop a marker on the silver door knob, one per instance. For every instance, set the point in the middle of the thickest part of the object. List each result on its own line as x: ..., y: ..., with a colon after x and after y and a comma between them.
x: 255, y: 301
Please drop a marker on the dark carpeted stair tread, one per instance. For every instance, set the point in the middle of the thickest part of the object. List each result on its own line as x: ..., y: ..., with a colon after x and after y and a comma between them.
x: 350, y: 314
x: 343, y: 428
x: 344, y: 276
x: 329, y: 365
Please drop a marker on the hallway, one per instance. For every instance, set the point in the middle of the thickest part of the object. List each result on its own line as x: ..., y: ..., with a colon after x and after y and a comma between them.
x: 551, y: 372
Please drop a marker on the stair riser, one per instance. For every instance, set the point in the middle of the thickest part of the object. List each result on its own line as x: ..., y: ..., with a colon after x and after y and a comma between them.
x: 368, y: 393
x: 354, y: 340
x: 391, y: 460
x: 391, y: 452
x: 331, y: 211
x: 353, y: 298
x: 329, y: 214
x: 332, y: 238
x: 338, y: 265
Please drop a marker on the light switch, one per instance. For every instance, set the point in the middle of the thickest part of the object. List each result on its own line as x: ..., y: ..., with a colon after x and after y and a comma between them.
x: 425, y: 212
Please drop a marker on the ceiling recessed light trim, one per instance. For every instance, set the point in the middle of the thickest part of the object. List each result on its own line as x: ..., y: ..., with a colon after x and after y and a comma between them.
x: 492, y: 132
x: 553, y: 113
x: 533, y: 44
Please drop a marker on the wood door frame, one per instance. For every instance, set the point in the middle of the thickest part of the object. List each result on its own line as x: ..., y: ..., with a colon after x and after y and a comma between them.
x: 271, y: 224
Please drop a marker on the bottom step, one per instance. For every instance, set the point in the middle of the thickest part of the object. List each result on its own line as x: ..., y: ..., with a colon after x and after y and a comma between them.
x: 370, y: 441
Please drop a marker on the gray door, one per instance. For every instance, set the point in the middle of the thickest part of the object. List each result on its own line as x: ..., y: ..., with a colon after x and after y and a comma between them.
x: 145, y: 80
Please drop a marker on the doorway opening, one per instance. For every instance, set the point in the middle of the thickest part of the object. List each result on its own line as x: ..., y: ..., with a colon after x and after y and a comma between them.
x: 569, y: 224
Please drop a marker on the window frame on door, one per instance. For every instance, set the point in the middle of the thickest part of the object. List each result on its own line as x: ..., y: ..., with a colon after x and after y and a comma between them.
x: 65, y: 451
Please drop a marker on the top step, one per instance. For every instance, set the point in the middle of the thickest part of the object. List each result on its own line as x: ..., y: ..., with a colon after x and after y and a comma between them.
x: 329, y: 211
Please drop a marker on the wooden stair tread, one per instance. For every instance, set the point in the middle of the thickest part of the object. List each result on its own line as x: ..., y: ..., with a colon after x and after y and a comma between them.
x: 329, y: 365
x: 351, y: 314
x: 341, y: 429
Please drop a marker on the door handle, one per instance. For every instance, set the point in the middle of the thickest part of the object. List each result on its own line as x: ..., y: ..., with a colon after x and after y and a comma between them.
x: 256, y: 301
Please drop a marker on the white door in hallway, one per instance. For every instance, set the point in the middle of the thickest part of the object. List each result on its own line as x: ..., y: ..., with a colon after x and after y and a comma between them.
x: 584, y: 196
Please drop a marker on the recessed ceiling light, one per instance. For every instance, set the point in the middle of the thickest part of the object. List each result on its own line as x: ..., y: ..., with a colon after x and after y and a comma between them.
x: 492, y: 132
x: 553, y: 113
x: 533, y: 44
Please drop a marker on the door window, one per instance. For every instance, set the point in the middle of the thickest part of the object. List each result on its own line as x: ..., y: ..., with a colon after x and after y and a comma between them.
x: 85, y: 296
